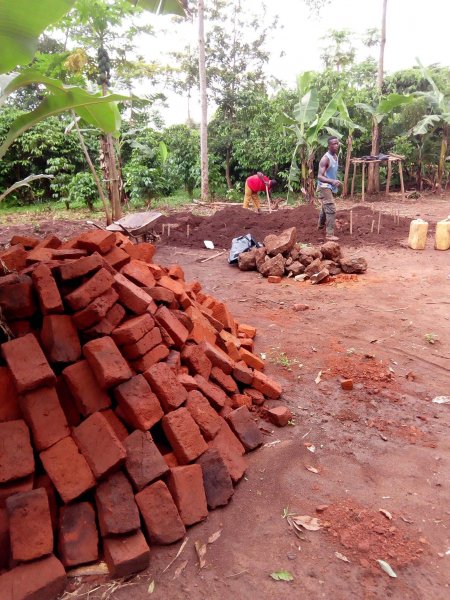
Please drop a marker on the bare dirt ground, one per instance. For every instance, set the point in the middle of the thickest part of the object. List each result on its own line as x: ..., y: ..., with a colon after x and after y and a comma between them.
x: 383, y: 445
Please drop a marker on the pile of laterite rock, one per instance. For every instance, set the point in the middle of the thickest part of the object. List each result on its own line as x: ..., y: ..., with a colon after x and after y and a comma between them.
x: 126, y: 398
x: 283, y: 255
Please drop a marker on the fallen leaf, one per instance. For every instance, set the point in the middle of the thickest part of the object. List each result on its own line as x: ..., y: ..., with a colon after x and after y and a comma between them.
x: 318, y: 379
x: 201, y: 551
x: 215, y: 536
x: 180, y: 550
x: 180, y: 569
x: 387, y: 568
x: 151, y: 587
x: 386, y: 513
x: 282, y: 576
x: 441, y: 400
x: 341, y: 557
x: 305, y: 521
x: 312, y: 469
x: 310, y: 447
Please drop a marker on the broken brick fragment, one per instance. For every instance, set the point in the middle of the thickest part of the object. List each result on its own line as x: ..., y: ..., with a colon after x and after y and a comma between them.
x: 279, y: 415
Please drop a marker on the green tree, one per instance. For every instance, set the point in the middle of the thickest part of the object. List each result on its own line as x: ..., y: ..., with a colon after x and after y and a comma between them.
x: 183, y: 144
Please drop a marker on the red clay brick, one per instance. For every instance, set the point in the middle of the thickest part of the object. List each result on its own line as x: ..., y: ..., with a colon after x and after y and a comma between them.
x: 95, y: 310
x: 172, y: 325
x: 96, y: 241
x: 133, y: 330
x: 14, y: 487
x: 231, y: 450
x: 106, y: 361
x: 218, y: 357
x: 279, y: 415
x: 27, y: 363
x: 187, y: 382
x: 85, y: 389
x: 226, y: 382
x: 202, y: 330
x: 145, y: 251
x: 154, y: 356
x: 142, y: 346
x: 166, y: 339
x: 16, y: 459
x: 44, y: 481
x: 49, y: 297
x: 13, y: 259
x: 68, y: 253
x: 176, y: 272
x: 184, y: 435
x: 251, y: 360
x: 231, y: 349
x: 9, y: 400
x: 174, y: 361
x: 216, y: 479
x: 70, y: 482
x: 39, y: 580
x: 126, y: 554
x: 144, y: 462
x: 99, y: 445
x: 30, y: 525
x: 197, y: 361
x: 247, y: 330
x: 27, y: 241
x: 238, y: 400
x: 20, y: 328
x: 266, y: 386
x: 43, y: 413
x: 176, y: 287
x: 83, y: 295
x: 187, y: 489
x: 166, y: 386
x: 78, y: 536
x: 116, y: 257
x: 160, y: 514
x: 184, y: 319
x: 256, y: 396
x: 59, y: 339
x: 161, y: 295
x: 5, y: 547
x: 116, y: 508
x: 245, y: 428
x: 138, y: 403
x: 67, y: 402
x: 17, y: 300
x: 171, y: 460
x: 214, y: 393
x: 139, y: 273
x: 50, y: 241
x: 38, y: 255
x: 131, y: 296
x: 243, y: 373
x: 203, y: 414
x: 247, y: 344
x: 81, y: 267
x: 118, y: 427
x: 106, y: 326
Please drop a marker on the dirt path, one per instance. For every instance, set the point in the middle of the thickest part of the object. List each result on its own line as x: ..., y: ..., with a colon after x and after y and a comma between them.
x: 383, y: 445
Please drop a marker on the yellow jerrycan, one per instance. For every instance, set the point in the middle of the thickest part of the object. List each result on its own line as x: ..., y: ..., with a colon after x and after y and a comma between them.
x: 418, y: 230
x: 442, y: 240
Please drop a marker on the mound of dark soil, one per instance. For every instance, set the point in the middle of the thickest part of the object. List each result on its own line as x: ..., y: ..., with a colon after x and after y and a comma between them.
x: 234, y: 221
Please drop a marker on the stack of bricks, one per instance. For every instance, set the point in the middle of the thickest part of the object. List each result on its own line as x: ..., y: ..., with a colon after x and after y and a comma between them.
x: 126, y: 399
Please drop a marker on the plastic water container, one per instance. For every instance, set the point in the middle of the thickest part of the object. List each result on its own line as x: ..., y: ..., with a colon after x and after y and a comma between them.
x: 443, y: 234
x: 418, y: 230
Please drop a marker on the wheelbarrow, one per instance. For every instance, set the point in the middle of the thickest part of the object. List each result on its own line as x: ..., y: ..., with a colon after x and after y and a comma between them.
x: 138, y: 226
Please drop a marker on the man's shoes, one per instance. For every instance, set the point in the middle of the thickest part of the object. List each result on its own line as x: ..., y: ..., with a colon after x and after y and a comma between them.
x: 332, y: 238
x: 259, y: 211
x: 320, y: 227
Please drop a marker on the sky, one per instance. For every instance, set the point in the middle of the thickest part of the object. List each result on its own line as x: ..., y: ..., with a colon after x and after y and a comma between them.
x: 415, y: 28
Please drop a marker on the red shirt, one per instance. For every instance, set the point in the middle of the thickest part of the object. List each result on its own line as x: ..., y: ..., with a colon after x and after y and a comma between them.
x: 256, y: 185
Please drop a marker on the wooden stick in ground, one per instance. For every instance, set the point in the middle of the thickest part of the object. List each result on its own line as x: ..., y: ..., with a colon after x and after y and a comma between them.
x: 268, y: 199
x: 379, y: 222
x: 188, y: 230
x: 351, y: 222
x: 213, y: 256
x: 362, y: 181
x: 389, y: 175
x: 400, y: 172
x: 373, y: 225
x: 353, y: 180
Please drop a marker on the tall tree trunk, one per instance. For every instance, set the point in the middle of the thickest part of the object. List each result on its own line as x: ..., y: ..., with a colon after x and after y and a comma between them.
x: 112, y: 175
x: 442, y: 157
x: 101, y: 191
x: 347, y: 165
x: 228, y: 169
x: 203, y: 103
x: 373, y: 185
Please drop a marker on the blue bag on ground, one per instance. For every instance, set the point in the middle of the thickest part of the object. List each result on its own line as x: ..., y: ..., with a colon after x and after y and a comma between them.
x: 241, y: 244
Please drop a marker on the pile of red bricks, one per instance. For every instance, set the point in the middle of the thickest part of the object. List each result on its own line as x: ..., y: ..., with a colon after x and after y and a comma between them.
x: 126, y: 399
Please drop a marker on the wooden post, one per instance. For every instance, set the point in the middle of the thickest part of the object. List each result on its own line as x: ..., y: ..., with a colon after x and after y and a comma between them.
x: 363, y: 177
x: 389, y: 175
x: 188, y: 230
x: 373, y: 225
x: 353, y: 179
x: 400, y: 172
x: 351, y: 222
x: 379, y: 222
x: 347, y: 166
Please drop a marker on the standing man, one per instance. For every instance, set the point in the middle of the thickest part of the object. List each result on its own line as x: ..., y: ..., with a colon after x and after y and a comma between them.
x: 253, y: 185
x: 328, y: 184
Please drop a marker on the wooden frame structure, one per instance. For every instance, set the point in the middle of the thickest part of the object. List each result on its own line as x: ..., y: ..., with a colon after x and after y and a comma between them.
x: 391, y: 158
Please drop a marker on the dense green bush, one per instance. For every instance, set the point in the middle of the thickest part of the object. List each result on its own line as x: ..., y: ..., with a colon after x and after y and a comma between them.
x: 82, y: 189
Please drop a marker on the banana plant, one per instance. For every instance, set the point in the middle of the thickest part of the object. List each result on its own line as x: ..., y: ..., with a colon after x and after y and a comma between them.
x: 309, y: 127
x: 439, y: 103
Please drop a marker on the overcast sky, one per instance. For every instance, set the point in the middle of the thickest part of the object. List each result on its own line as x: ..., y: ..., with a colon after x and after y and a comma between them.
x: 415, y: 28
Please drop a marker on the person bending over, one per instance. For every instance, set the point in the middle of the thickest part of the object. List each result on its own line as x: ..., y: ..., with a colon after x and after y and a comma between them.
x: 255, y: 184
